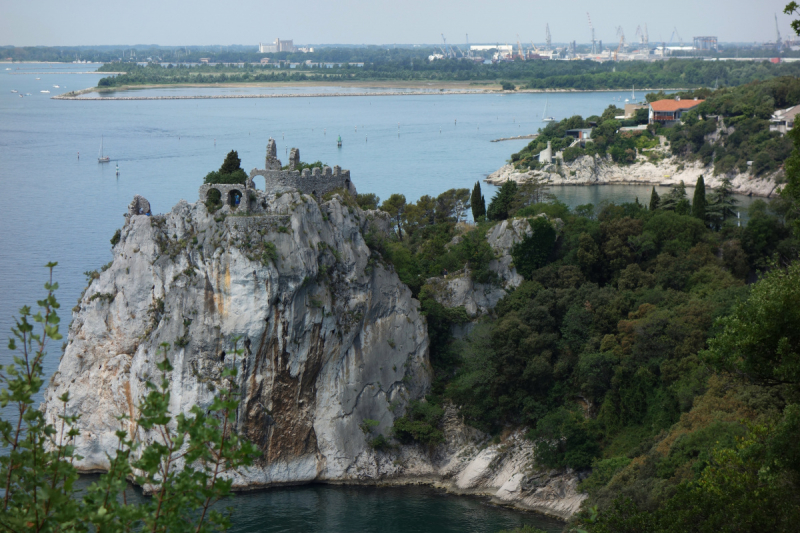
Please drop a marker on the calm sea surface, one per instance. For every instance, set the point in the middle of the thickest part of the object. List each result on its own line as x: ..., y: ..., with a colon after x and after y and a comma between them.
x: 59, y: 204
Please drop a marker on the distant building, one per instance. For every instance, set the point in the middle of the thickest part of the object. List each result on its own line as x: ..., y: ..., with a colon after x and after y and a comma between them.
x: 782, y: 120
x: 670, y: 110
x: 631, y: 109
x: 205, y: 60
x: 277, y: 46
x: 265, y: 61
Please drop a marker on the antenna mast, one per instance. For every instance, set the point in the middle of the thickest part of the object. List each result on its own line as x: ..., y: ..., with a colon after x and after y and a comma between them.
x: 778, y: 40
x: 547, y: 36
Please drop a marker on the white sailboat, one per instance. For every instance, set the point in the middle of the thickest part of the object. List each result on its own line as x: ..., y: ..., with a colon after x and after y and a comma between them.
x: 545, y: 118
x: 101, y: 158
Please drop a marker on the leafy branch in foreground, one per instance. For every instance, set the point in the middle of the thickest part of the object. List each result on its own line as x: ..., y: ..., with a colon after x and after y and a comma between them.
x: 182, y: 460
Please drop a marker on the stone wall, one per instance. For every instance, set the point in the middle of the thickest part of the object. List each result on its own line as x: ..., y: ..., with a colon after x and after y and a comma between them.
x: 314, y: 181
x: 227, y: 195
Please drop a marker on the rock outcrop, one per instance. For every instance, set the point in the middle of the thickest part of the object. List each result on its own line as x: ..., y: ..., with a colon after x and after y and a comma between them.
x: 459, y: 290
x: 331, y: 336
x: 670, y: 171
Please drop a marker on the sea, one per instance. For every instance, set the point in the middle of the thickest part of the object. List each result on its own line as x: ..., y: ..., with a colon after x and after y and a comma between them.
x: 59, y: 204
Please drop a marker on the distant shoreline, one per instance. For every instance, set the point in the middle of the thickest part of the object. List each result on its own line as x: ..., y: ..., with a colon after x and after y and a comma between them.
x: 401, y: 89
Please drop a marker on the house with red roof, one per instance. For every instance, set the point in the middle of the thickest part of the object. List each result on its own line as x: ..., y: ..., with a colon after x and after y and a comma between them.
x: 666, y: 111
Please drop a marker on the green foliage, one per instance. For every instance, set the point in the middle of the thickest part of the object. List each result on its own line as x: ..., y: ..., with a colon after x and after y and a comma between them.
x: 534, y: 251
x: 502, y: 202
x: 213, y: 200
x: 699, y: 200
x: 420, y: 424
x: 115, y: 239
x: 564, y: 440
x: 508, y: 86
x: 654, y: 200
x: 230, y: 172
x: 37, y: 461
x: 478, y: 203
x: 603, y: 470
x: 395, y: 205
x: 761, y: 338
x: 368, y: 201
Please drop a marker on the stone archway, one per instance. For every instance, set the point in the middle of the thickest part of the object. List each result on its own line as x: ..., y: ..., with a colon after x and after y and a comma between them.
x: 235, y: 198
x: 213, y: 199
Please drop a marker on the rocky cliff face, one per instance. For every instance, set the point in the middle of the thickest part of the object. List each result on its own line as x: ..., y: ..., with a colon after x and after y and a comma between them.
x: 671, y: 171
x: 331, y: 336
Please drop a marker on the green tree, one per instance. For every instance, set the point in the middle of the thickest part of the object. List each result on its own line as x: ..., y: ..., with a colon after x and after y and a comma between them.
x: 535, y: 249
x: 676, y: 200
x: 229, y: 173
x: 761, y: 338
x: 654, y: 200
x: 368, y: 201
x: 722, y: 205
x: 501, y: 204
x: 478, y: 203
x: 699, y: 200
x: 37, y: 460
x: 231, y: 164
x: 395, y: 205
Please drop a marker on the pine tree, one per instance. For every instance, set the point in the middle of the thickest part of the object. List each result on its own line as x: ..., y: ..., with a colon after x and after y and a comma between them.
x: 699, y: 201
x: 654, y: 200
x: 231, y: 164
x: 478, y: 202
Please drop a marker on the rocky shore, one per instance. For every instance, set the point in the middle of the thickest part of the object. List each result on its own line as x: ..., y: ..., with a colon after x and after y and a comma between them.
x: 587, y: 170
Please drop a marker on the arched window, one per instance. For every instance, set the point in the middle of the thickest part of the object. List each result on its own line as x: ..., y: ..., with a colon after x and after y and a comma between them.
x: 213, y: 200
x: 234, y: 198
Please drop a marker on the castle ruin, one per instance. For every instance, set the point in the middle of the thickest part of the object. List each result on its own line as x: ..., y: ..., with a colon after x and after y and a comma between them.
x: 314, y: 181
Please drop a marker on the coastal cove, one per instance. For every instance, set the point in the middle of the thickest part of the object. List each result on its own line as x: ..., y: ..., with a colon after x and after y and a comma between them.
x: 163, y: 148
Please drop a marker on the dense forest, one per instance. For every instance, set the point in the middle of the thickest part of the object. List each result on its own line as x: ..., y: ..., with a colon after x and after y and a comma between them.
x: 730, y: 128
x: 653, y: 347
x: 402, y: 65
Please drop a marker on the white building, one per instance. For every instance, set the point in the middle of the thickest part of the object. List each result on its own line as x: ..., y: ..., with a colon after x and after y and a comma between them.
x: 277, y: 46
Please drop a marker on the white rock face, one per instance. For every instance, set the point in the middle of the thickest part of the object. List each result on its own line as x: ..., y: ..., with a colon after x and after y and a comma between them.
x: 588, y: 171
x: 331, y: 336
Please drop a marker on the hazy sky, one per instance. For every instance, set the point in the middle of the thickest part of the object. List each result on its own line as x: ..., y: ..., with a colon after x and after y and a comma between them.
x: 181, y: 22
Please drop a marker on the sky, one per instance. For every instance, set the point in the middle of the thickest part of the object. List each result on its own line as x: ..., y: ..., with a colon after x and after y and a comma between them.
x: 226, y: 22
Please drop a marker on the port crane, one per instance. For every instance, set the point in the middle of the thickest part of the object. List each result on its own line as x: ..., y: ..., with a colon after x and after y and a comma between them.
x: 674, y: 33
x: 594, y: 45
x: 621, y: 35
x: 519, y: 46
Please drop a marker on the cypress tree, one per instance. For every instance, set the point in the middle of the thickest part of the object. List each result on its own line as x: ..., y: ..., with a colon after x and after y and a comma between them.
x: 699, y: 201
x: 231, y: 164
x: 478, y: 202
x: 654, y: 200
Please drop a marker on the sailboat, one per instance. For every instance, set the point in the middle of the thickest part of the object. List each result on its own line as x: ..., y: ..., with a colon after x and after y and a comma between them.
x: 545, y: 118
x: 102, y: 159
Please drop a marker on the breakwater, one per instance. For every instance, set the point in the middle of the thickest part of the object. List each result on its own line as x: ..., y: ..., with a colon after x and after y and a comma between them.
x: 77, y: 96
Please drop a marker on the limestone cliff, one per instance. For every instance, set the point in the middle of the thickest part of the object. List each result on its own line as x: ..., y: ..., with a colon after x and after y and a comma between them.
x: 670, y: 171
x: 331, y: 336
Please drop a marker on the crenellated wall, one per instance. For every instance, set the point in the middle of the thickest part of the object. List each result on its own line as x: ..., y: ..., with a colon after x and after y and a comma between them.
x: 315, y: 181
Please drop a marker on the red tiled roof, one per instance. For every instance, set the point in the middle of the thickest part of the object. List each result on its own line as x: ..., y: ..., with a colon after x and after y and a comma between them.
x: 670, y: 106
